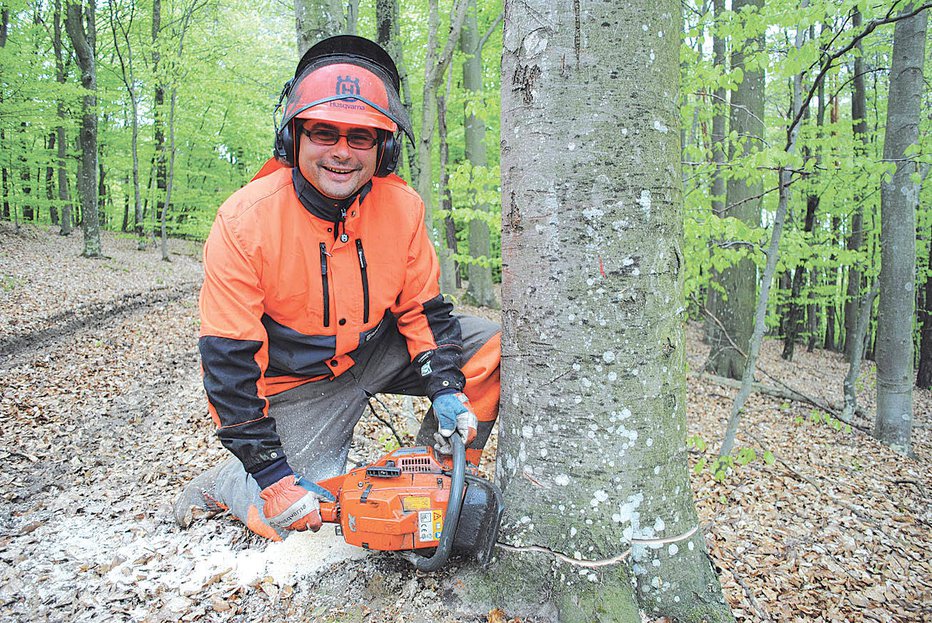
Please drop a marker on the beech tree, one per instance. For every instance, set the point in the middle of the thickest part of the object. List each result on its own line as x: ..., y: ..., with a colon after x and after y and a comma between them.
x: 481, y: 290
x: 732, y: 304
x: 81, y: 25
x: 599, y: 520
x: 899, y: 199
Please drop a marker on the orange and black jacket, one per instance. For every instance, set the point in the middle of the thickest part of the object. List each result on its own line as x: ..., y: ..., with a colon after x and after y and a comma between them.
x: 290, y: 297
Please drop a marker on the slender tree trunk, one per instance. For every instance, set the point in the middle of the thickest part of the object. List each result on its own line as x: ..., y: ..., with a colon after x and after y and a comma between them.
x: 388, y: 33
x: 435, y: 68
x: 80, y: 23
x: 924, y: 375
x: 446, y: 198
x: 158, y: 127
x: 899, y: 199
x: 128, y: 76
x: 599, y: 513
x: 856, y: 237
x: 4, y: 171
x: 481, y: 290
x: 50, y: 182
x: 854, y: 367
x: 61, y: 77
x: 735, y: 308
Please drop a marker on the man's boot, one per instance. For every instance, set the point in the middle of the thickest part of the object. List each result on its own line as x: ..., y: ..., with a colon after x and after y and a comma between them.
x: 198, y: 500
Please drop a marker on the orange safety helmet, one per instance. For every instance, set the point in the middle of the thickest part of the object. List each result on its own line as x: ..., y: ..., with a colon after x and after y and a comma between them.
x: 342, y: 93
x: 344, y: 79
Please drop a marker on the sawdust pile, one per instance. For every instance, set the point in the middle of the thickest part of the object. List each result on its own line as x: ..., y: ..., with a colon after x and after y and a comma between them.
x: 103, y: 420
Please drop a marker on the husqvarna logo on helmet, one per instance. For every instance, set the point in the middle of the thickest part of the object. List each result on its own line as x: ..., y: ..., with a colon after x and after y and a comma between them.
x: 347, y: 85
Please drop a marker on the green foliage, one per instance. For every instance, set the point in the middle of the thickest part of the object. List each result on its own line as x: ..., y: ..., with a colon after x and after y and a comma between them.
x: 722, y: 466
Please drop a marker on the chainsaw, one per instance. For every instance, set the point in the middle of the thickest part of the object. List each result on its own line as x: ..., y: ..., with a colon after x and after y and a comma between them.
x: 412, y: 501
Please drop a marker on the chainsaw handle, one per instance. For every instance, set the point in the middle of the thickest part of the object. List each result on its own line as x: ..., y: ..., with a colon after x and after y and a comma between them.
x: 454, y: 506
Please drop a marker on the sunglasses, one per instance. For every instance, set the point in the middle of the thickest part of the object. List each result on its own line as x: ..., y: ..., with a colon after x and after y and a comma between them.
x: 357, y: 139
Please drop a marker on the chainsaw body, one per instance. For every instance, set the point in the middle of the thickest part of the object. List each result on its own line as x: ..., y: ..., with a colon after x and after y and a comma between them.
x: 404, y: 502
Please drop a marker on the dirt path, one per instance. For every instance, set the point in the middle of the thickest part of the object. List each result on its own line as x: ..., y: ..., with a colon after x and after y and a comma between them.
x: 102, y: 419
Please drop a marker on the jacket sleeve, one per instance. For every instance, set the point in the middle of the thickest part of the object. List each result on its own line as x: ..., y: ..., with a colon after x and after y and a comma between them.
x: 234, y: 355
x: 425, y: 319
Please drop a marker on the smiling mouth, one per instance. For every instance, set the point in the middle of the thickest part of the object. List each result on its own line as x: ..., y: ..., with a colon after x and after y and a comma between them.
x: 338, y: 171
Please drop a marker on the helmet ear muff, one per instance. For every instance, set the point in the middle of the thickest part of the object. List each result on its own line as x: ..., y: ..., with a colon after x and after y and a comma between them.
x: 389, y: 152
x: 285, y: 145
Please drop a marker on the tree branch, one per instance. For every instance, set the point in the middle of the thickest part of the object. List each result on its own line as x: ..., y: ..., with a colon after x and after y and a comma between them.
x: 830, y: 60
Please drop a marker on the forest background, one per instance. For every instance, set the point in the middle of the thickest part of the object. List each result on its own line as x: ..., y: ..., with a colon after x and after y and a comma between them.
x: 183, y: 92
x: 142, y: 118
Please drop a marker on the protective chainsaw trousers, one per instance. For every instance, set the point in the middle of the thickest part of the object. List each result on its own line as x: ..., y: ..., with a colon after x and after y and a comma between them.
x: 316, y: 420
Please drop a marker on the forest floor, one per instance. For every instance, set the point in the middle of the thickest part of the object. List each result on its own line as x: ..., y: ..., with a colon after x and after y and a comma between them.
x: 103, y: 420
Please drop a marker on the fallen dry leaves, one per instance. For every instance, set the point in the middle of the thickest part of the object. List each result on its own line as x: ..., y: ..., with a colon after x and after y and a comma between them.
x: 103, y: 421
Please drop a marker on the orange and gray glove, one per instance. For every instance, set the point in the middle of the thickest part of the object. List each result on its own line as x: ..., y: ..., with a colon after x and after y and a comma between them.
x: 454, y: 415
x: 290, y: 506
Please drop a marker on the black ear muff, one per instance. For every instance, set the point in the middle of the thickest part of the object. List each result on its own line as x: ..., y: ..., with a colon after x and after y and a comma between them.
x: 285, y: 145
x: 389, y: 152
x: 283, y: 148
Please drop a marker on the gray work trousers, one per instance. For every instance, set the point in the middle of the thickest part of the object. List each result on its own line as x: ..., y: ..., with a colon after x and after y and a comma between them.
x: 315, y: 421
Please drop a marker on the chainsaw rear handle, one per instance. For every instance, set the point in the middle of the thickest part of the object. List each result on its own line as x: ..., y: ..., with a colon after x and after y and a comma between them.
x: 452, y: 517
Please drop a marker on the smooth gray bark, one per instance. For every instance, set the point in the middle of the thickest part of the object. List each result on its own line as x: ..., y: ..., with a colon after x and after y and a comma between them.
x: 734, y: 307
x: 481, y: 290
x: 899, y: 199
x: 316, y: 20
x: 80, y: 23
x: 600, y: 516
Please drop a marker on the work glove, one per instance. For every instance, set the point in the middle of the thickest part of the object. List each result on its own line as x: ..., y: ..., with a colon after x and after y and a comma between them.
x: 454, y: 415
x: 290, y: 506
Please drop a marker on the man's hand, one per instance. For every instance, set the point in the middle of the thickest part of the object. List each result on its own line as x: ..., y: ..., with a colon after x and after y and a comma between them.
x: 290, y: 506
x: 454, y: 415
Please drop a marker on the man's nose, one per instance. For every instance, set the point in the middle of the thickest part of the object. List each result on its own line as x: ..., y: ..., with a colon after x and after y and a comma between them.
x: 341, y: 148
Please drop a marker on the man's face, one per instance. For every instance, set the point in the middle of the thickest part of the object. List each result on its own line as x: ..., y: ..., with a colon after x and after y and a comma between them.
x: 337, y: 170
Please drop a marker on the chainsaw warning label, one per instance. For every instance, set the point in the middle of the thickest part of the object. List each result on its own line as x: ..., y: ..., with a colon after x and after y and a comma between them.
x: 430, y: 525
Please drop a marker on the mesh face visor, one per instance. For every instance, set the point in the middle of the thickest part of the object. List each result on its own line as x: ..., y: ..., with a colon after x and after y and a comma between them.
x: 347, y: 89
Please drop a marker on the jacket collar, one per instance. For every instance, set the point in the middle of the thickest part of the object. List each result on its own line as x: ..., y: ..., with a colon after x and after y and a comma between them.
x: 332, y: 210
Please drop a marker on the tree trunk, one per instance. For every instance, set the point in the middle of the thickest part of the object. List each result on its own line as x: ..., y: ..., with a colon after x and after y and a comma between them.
x: 64, y: 196
x: 854, y: 366
x: 81, y: 26
x: 592, y: 458
x: 435, y: 68
x: 316, y: 20
x: 856, y: 237
x: 924, y: 376
x: 127, y: 73
x: 899, y: 199
x: 50, y: 182
x: 388, y: 32
x: 158, y: 127
x: 481, y: 289
x: 4, y: 171
x: 735, y: 309
x: 446, y: 199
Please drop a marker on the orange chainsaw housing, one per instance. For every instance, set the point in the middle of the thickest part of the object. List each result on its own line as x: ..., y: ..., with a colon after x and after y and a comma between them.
x: 396, y: 503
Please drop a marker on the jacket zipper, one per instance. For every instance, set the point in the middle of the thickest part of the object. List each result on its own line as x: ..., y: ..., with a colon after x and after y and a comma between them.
x: 365, y: 281
x: 326, y: 284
